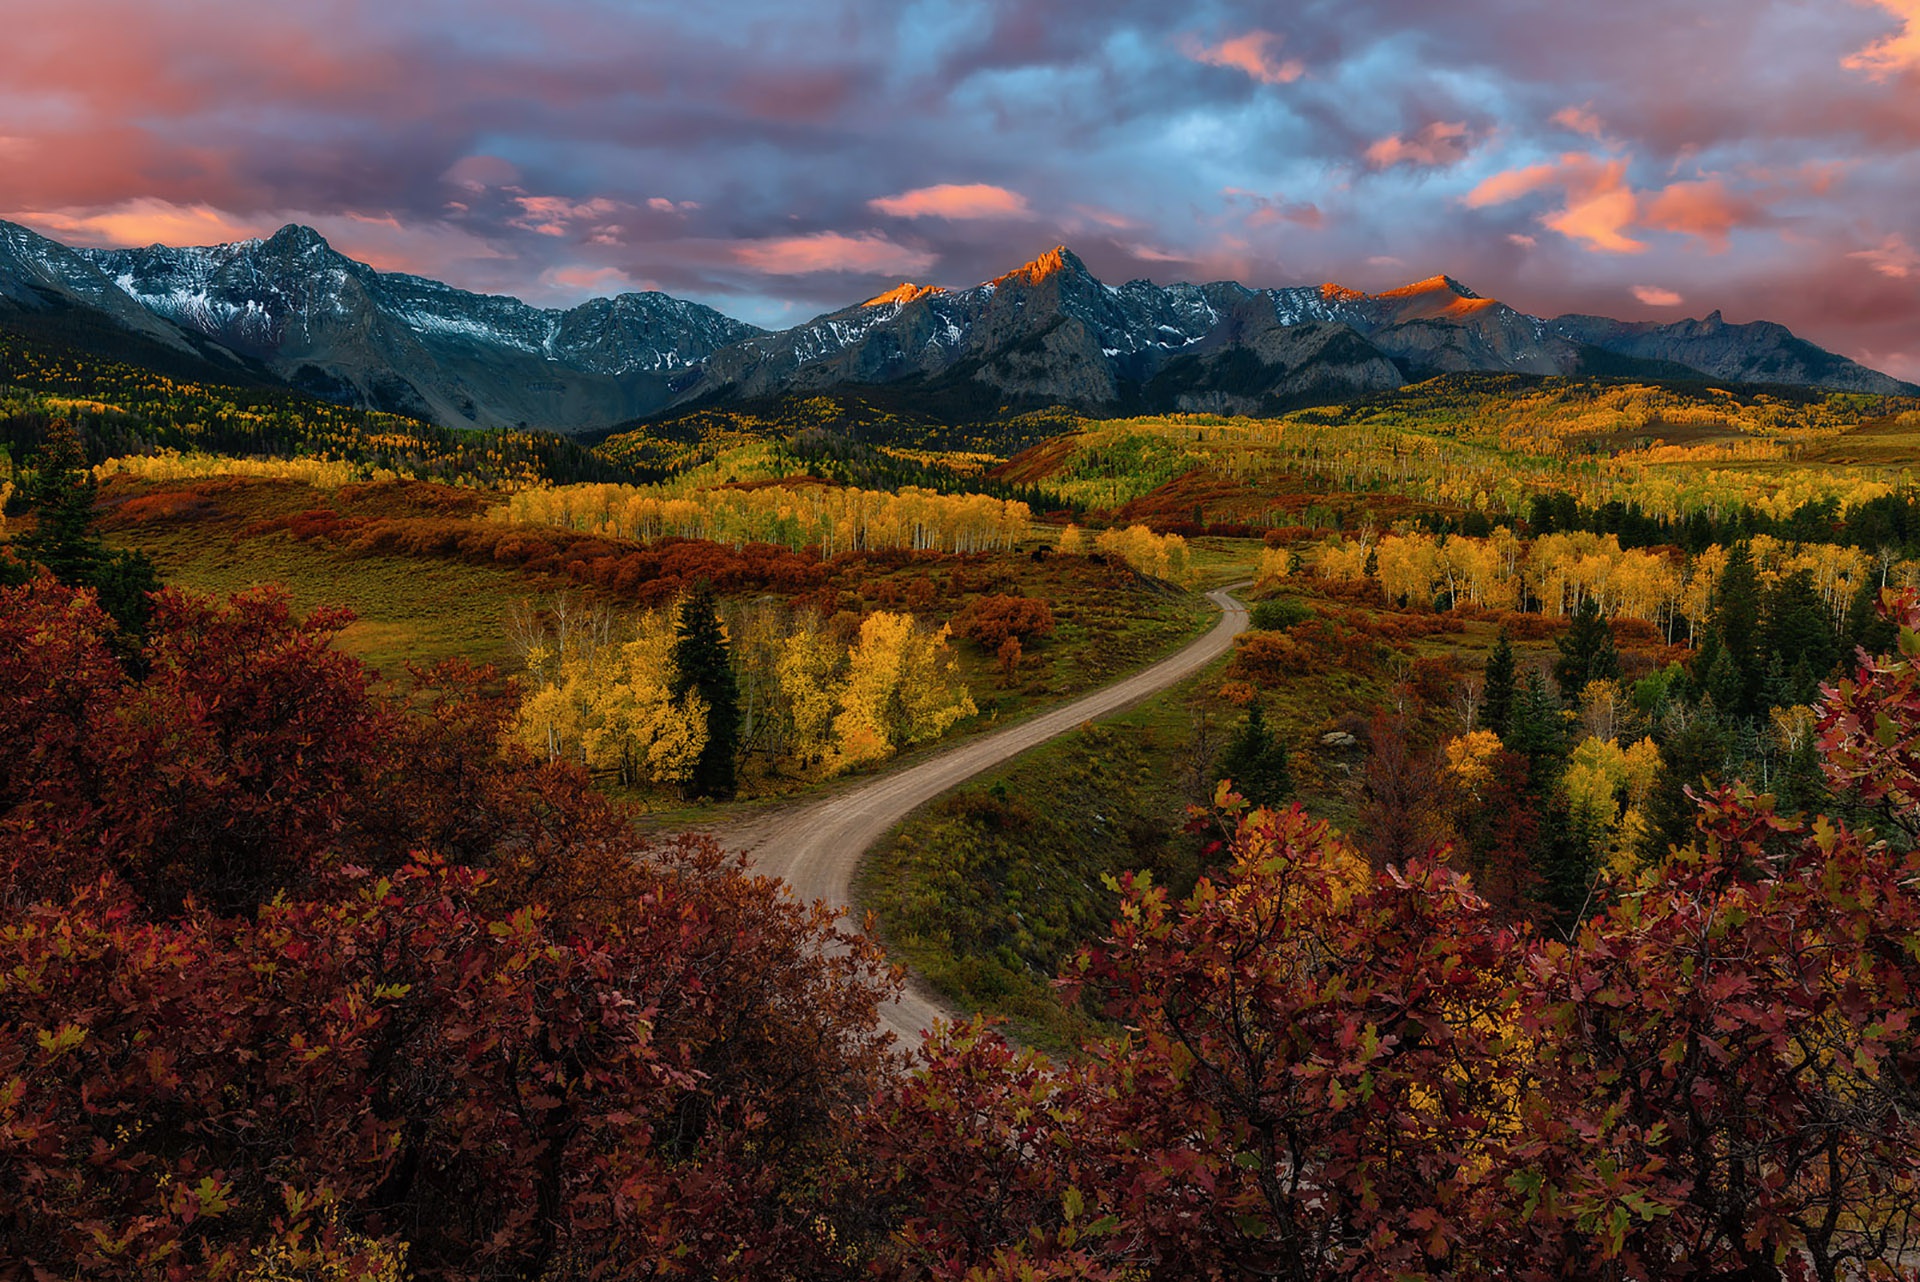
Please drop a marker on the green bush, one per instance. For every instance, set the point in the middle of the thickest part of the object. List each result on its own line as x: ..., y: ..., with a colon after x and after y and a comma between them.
x: 1277, y: 614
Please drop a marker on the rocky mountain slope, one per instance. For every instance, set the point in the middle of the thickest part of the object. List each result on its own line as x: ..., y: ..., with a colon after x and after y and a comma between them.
x: 291, y: 308
x: 1049, y: 332
x: 329, y: 325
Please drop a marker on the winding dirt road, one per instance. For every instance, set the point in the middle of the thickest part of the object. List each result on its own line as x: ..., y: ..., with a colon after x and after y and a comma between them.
x: 817, y: 849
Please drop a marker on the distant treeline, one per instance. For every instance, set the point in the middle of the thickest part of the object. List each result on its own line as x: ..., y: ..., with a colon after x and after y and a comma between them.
x: 121, y: 409
x: 1890, y: 522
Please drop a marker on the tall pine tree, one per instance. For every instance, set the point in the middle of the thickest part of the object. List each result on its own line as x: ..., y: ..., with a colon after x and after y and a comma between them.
x: 1799, y: 634
x: 1257, y: 762
x: 1866, y: 627
x: 1500, y: 687
x: 1587, y: 652
x: 1736, y: 626
x: 1693, y: 757
x: 60, y: 491
x: 701, y: 663
x: 1539, y: 732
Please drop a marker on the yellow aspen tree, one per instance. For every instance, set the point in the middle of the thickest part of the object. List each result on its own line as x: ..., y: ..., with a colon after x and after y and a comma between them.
x: 635, y: 724
x: 1469, y: 760
x: 1339, y: 560
x: 1273, y: 566
x: 808, y: 677
x: 902, y: 688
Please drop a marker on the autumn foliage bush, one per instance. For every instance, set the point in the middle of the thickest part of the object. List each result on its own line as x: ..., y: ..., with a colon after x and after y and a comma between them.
x: 992, y: 620
x: 1332, y: 1073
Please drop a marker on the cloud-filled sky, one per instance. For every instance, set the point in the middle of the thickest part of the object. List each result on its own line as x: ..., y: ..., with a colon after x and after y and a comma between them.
x: 1640, y: 158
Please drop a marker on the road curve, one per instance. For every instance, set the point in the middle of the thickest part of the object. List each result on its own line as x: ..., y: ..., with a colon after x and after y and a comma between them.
x: 817, y: 849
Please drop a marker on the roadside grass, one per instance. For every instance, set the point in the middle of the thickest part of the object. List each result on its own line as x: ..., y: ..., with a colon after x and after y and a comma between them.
x: 987, y: 890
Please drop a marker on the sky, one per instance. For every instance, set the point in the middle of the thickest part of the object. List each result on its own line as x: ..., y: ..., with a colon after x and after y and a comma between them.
x: 1645, y: 159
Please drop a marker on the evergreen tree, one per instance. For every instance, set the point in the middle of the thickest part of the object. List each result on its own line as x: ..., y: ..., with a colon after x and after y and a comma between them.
x: 1704, y: 657
x: 1257, y: 763
x: 1736, y: 625
x: 1587, y: 652
x: 1500, y: 687
x: 61, y: 491
x: 1801, y: 787
x: 1798, y: 630
x: 1564, y: 863
x: 1724, y: 684
x: 1695, y: 755
x: 1539, y: 732
x: 701, y: 663
x: 1777, y: 687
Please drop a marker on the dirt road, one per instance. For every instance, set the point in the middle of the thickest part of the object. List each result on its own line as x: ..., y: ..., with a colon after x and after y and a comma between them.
x: 817, y: 849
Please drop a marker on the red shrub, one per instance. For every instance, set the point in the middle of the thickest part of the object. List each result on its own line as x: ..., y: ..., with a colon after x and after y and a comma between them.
x: 991, y: 620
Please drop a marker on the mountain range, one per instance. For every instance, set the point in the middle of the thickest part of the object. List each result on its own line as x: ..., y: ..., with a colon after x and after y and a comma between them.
x: 291, y: 309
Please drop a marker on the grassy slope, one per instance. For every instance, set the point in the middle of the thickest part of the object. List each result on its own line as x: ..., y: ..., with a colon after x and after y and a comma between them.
x: 410, y: 610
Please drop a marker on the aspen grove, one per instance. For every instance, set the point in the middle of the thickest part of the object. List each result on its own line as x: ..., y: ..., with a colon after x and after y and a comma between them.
x: 833, y: 519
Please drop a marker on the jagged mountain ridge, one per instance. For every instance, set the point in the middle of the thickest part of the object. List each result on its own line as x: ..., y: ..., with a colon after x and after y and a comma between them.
x: 293, y: 306
x: 1048, y: 332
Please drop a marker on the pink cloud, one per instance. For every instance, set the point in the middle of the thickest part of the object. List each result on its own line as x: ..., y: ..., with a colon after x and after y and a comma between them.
x: 1902, y: 365
x: 831, y: 251
x: 1599, y: 210
x: 1154, y: 254
x: 1521, y: 239
x: 1894, y: 258
x: 1104, y: 217
x: 1256, y: 53
x: 1705, y: 209
x: 477, y: 173
x: 1580, y: 121
x: 1895, y: 54
x: 1436, y: 145
x: 1511, y: 184
x: 592, y: 281
x: 555, y: 215
x: 954, y: 201
x: 1269, y: 211
x: 143, y: 222
x: 1654, y: 296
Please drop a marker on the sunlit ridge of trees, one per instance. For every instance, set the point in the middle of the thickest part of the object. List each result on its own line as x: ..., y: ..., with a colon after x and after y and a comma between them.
x: 1555, y: 574
x: 168, y: 465
x: 834, y: 519
x: 1492, y: 453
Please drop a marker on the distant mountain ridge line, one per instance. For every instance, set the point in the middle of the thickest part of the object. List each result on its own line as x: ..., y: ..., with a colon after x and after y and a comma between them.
x: 1048, y: 332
